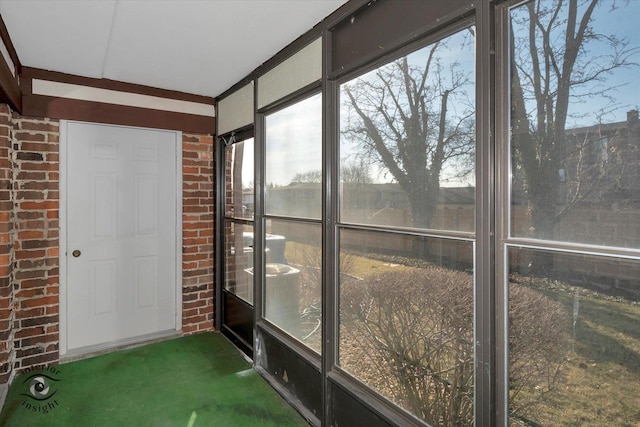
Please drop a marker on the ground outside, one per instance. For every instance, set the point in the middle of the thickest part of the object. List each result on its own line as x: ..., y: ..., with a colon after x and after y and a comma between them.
x: 199, y: 380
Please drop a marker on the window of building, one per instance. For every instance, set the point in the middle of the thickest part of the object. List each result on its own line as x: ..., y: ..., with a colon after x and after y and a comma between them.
x: 292, y: 226
x: 450, y: 230
x: 572, y: 254
x: 407, y: 149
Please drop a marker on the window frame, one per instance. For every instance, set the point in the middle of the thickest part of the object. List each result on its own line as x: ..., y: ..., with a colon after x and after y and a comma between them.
x: 505, y: 240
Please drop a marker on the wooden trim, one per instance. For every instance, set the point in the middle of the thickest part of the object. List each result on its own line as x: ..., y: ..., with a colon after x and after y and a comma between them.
x: 108, y: 96
x: 9, y: 88
x: 36, y: 73
x: 98, y: 112
x: 4, y: 35
x: 71, y: 109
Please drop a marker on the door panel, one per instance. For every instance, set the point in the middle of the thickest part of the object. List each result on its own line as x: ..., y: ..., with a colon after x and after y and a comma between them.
x: 122, y: 284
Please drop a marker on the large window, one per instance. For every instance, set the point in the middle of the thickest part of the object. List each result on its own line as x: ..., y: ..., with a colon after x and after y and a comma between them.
x: 293, y: 208
x: 572, y: 262
x: 406, y: 306
x: 407, y: 140
x: 406, y: 321
x: 470, y: 225
x: 574, y: 349
x: 574, y: 120
x: 293, y: 167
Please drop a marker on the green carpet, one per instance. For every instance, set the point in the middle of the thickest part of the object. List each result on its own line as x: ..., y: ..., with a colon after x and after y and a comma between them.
x: 199, y: 380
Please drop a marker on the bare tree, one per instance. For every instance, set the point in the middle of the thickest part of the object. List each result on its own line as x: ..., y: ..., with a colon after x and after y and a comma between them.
x: 356, y: 172
x: 414, y: 117
x: 314, y: 177
x: 552, y: 69
x: 352, y: 173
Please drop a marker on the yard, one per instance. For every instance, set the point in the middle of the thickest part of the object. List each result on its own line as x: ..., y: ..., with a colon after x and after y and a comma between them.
x: 575, y: 353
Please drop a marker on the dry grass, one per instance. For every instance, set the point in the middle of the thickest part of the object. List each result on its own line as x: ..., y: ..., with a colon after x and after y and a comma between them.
x: 600, y: 383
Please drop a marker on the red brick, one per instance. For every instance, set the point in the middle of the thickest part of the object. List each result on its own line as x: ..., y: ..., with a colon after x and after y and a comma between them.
x: 29, y: 332
x: 29, y: 293
x: 53, y: 252
x: 44, y: 205
x: 28, y: 264
x: 30, y: 254
x: 41, y: 339
x: 191, y: 304
x: 26, y: 136
x: 39, y: 185
x: 39, y: 302
x: 39, y: 359
x: 39, y: 126
x: 190, y: 313
x: 196, y: 319
x: 30, y: 234
x: 36, y: 281
x: 37, y: 321
x: 187, y: 329
x: 29, y: 195
x: 189, y: 138
x: 36, y: 176
x: 38, y: 147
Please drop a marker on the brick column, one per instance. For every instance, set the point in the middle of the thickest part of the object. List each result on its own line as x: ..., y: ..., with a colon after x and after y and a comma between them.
x: 36, y: 247
x: 198, y: 233
x: 6, y: 248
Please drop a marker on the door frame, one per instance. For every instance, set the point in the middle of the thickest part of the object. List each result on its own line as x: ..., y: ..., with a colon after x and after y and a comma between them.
x: 63, y: 217
x: 228, y: 306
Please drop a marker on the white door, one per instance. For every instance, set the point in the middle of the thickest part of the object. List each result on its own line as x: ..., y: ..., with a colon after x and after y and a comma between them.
x: 121, y: 223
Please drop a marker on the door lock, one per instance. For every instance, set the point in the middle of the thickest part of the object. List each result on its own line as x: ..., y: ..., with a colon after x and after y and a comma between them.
x: 76, y: 253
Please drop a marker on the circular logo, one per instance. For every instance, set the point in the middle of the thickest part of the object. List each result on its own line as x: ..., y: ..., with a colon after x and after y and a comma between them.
x: 39, y: 387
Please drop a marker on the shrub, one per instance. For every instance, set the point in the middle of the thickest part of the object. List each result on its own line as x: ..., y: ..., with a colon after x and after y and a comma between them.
x: 414, y: 329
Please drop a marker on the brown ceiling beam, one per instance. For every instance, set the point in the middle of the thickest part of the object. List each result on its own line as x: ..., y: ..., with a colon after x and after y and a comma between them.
x: 9, y: 81
x: 38, y: 105
x: 96, y: 112
x: 30, y: 73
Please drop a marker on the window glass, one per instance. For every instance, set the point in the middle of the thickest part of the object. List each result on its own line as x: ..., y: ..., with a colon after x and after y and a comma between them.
x: 293, y: 167
x: 407, y: 140
x: 406, y: 321
x: 575, y: 132
x: 239, y: 179
x: 238, y: 259
x: 574, y: 346
x: 293, y: 284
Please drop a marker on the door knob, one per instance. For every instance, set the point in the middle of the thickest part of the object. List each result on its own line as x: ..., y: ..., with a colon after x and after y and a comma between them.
x: 76, y: 253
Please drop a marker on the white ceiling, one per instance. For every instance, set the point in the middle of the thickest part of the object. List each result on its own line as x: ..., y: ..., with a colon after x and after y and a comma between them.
x: 201, y: 47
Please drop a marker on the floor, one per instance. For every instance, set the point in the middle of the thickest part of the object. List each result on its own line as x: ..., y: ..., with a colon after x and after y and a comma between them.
x: 199, y: 380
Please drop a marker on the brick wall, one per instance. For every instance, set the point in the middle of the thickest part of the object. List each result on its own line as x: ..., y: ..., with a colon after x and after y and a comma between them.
x: 6, y: 246
x: 198, y: 233
x: 35, y: 244
x: 29, y: 245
